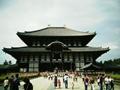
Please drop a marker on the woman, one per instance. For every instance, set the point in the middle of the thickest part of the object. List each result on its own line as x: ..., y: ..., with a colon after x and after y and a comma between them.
x: 92, y: 83
x: 86, y: 82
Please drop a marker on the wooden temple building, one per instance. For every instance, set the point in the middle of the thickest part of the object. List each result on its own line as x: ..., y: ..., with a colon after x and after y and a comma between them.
x: 55, y: 47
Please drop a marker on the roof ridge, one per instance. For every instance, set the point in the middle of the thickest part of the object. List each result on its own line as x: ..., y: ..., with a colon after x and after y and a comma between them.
x: 40, y: 29
x: 56, y: 31
x: 55, y: 27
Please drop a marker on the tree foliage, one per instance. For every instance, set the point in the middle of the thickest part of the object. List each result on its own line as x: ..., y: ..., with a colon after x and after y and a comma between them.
x: 111, y: 62
x: 5, y: 62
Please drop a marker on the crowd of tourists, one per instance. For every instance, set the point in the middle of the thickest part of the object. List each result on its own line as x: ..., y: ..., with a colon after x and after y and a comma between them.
x: 103, y: 81
x: 13, y: 83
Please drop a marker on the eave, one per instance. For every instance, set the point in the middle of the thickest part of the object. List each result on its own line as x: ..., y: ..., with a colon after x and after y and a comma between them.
x: 98, y: 51
x: 28, y: 40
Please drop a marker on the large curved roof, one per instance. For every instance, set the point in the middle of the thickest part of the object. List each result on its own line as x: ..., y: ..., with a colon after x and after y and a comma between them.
x: 55, y: 31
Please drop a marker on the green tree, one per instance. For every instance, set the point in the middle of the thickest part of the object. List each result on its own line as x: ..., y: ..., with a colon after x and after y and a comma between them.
x: 10, y: 62
x: 5, y: 63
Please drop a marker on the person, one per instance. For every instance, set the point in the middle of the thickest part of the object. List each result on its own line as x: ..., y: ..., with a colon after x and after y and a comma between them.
x: 92, y: 83
x: 11, y: 82
x: 75, y: 77
x: 106, y: 82
x: 112, y: 84
x: 101, y: 82
x: 6, y: 83
x: 86, y: 82
x: 59, y: 83
x: 16, y: 82
x: 28, y: 85
x: 55, y: 81
x: 66, y: 80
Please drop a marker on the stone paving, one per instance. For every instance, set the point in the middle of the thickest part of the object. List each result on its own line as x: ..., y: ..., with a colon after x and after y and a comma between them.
x: 39, y: 84
x: 45, y: 84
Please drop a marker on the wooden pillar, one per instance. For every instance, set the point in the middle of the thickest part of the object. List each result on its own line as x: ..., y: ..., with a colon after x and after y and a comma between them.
x: 82, y: 60
x: 77, y: 64
x: 36, y: 63
x: 31, y: 64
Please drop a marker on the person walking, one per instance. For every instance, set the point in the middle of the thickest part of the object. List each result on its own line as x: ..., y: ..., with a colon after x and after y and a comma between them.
x: 59, y: 83
x: 11, y: 82
x: 55, y: 81
x: 66, y: 80
x: 86, y: 82
x: 28, y: 85
x: 101, y: 79
x: 106, y: 82
x: 16, y: 82
x: 112, y: 84
x: 92, y: 83
x: 6, y: 83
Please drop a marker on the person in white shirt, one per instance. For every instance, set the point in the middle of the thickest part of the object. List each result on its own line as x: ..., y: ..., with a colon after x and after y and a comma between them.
x: 106, y: 82
x: 66, y: 80
x: 6, y: 83
x: 110, y: 83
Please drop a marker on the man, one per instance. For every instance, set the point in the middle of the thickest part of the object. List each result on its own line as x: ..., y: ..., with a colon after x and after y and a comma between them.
x: 66, y: 80
x: 16, y: 82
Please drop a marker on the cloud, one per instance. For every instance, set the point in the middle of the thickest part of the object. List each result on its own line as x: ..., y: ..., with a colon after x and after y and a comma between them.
x: 110, y: 45
x: 101, y: 16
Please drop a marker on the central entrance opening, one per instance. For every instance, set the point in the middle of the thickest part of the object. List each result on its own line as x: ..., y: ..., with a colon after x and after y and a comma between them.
x: 58, y: 66
x: 57, y: 62
x: 57, y: 49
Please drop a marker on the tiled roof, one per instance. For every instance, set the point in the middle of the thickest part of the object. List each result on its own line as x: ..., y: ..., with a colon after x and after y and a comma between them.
x: 55, y: 31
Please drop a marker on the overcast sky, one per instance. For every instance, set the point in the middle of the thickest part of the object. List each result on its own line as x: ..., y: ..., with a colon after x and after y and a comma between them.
x: 100, y: 16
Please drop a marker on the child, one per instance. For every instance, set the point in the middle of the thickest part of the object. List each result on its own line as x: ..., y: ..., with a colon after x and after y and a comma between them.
x: 59, y: 83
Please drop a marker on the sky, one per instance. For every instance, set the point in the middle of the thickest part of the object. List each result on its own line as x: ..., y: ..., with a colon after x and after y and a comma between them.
x: 100, y: 16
